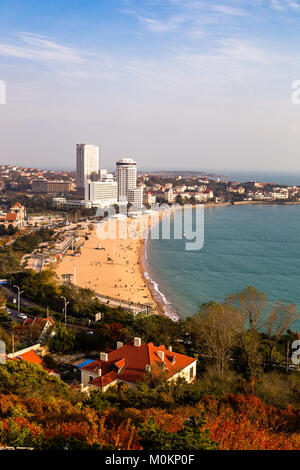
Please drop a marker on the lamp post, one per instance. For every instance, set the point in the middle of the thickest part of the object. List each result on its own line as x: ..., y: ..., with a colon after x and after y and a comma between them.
x: 19, y: 294
x: 65, y: 308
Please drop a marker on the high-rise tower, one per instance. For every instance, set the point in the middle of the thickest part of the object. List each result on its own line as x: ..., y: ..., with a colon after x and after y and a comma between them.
x: 87, y: 165
x: 126, y: 177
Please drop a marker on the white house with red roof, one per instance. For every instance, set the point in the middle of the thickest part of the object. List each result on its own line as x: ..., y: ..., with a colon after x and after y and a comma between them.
x: 15, y: 217
x: 32, y: 355
x: 130, y: 362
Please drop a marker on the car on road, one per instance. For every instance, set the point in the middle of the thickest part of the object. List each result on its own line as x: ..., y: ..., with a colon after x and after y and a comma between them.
x: 90, y: 332
x: 22, y: 316
x: 8, y: 311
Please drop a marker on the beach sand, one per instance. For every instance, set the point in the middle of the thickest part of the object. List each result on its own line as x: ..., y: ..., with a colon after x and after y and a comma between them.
x: 116, y: 270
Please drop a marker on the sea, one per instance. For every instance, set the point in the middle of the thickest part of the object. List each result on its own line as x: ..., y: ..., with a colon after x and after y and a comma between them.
x: 285, y: 178
x: 244, y: 245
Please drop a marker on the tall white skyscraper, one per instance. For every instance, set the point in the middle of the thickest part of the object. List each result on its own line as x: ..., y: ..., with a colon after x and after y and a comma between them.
x: 126, y: 177
x: 87, y: 165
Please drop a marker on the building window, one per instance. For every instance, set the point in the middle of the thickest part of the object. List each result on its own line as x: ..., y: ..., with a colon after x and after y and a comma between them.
x: 90, y: 378
x: 191, y: 373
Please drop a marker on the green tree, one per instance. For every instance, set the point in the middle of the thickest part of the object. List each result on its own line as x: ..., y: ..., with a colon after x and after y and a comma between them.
x: 190, y: 437
x: 63, y: 340
x: 30, y: 380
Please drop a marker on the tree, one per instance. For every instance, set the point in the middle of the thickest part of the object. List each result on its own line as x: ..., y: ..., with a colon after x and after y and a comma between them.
x: 279, y: 320
x: 4, y: 336
x: 217, y: 327
x: 63, y: 340
x: 252, y: 304
x: 11, y: 230
x: 29, y: 380
x: 191, y: 436
x: 156, y: 376
x: 250, y: 343
x: 3, y: 300
x: 179, y: 199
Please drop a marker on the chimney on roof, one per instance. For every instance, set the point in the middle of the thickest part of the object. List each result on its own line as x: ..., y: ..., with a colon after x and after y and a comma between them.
x: 147, y: 368
x: 137, y: 342
x: 161, y: 355
x: 170, y: 348
x: 103, y: 356
x: 119, y: 344
x: 99, y: 372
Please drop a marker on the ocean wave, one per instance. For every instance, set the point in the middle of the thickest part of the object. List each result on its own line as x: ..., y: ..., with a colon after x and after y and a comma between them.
x: 161, y: 298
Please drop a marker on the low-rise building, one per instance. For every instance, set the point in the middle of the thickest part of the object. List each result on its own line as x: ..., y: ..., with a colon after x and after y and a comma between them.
x: 135, y: 197
x: 149, y: 198
x: 33, y: 356
x: 42, y: 185
x: 169, y: 196
x: 130, y: 362
x: 42, y: 326
x: 15, y: 217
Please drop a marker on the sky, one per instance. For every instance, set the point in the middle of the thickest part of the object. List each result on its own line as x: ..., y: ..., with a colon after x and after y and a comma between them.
x: 174, y: 84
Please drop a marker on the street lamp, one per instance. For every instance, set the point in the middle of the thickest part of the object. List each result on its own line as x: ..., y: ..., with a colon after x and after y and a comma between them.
x: 65, y: 308
x: 19, y: 294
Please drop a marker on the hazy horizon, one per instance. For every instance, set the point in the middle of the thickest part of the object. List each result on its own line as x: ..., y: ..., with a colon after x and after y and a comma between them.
x: 171, y: 83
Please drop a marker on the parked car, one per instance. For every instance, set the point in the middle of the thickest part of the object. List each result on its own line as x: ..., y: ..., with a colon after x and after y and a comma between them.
x: 22, y: 316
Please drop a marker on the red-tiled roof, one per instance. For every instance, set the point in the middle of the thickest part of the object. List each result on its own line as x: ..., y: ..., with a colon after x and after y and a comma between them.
x: 129, y: 362
x: 11, y: 217
x: 38, y: 322
x: 30, y: 356
x: 33, y: 358
x: 105, y: 379
x: 17, y: 204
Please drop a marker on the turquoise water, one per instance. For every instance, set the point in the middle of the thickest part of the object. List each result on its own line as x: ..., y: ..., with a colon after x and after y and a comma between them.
x: 244, y: 245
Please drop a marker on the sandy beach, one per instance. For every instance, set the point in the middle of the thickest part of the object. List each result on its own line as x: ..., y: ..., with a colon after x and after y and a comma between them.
x: 115, y: 270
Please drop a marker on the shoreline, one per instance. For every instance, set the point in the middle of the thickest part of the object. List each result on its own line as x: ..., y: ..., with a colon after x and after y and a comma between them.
x: 163, y: 306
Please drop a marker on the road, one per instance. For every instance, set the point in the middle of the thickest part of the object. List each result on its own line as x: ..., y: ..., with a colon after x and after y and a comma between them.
x: 25, y: 302
x: 14, y: 315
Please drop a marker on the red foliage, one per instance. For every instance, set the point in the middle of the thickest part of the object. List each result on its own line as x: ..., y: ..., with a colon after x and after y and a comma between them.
x: 235, y: 422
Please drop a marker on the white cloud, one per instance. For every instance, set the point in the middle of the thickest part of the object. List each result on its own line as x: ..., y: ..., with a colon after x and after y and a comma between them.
x: 162, y: 26
x: 36, y: 47
x: 227, y: 10
x: 243, y: 51
x: 282, y: 5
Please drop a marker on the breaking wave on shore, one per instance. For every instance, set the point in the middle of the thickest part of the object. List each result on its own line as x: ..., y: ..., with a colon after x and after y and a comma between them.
x: 158, y: 296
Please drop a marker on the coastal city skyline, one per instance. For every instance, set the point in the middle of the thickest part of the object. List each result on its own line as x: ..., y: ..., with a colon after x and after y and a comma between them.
x: 149, y: 229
